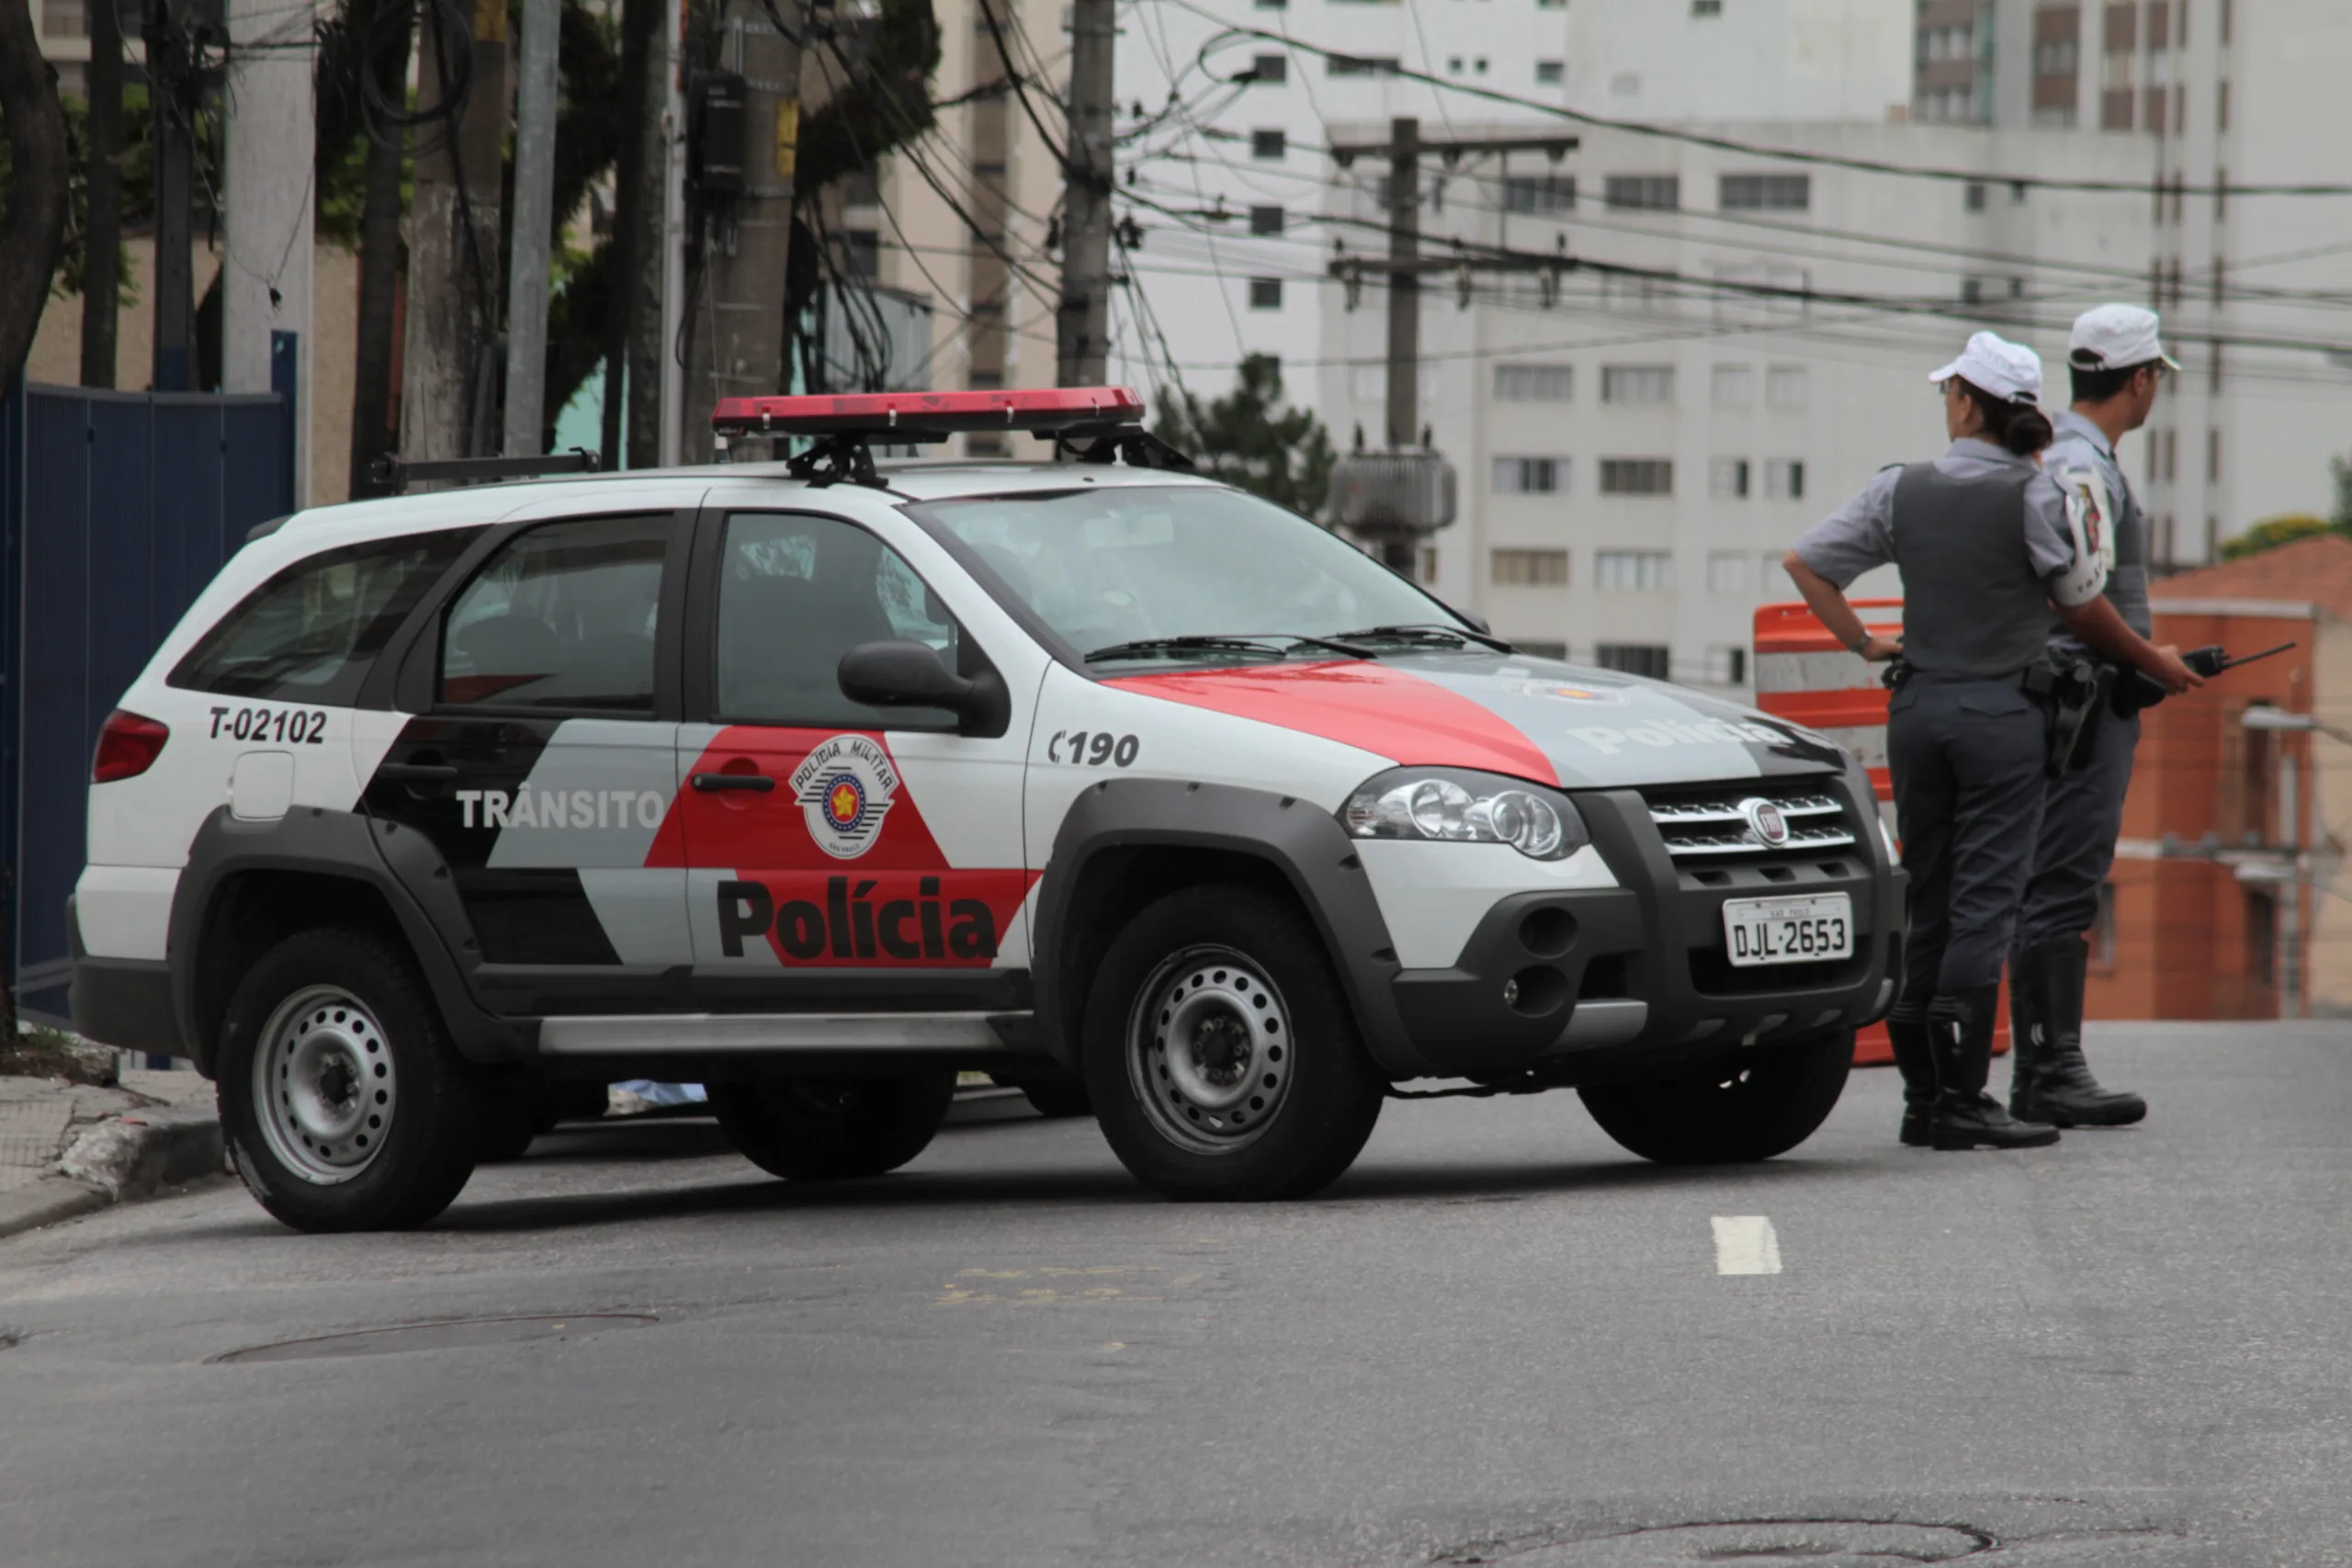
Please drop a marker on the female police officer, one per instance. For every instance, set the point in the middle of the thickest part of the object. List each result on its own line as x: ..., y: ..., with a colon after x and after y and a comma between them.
x: 1987, y: 548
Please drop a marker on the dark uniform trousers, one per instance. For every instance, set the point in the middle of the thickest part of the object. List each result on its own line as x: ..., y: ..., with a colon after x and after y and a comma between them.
x: 1967, y: 760
x: 2082, y: 812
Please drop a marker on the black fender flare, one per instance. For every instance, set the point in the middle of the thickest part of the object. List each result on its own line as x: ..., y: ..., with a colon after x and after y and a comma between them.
x: 399, y: 864
x: 1300, y: 840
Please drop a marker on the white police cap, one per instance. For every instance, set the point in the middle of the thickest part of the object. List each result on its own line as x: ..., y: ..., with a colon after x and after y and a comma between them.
x: 2116, y: 337
x: 1993, y: 364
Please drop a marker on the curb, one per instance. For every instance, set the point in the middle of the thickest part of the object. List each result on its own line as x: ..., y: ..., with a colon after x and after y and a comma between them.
x: 122, y: 1159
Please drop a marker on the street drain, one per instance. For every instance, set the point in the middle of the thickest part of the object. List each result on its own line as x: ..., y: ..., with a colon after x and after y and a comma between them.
x: 1817, y: 1543
x: 454, y: 1334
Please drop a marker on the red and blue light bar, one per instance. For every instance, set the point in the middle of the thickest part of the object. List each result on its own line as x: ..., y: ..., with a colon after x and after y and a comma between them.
x: 915, y: 416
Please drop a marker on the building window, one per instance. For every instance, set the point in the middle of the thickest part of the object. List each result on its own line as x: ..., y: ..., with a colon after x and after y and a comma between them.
x: 1272, y: 4
x: 1359, y: 66
x: 1657, y: 193
x: 1427, y: 570
x: 1972, y: 291
x: 862, y: 248
x: 1530, y: 476
x: 1650, y: 661
x: 2262, y: 938
x: 1269, y: 68
x: 1706, y: 7
x: 1265, y: 293
x: 984, y: 447
x: 1269, y: 145
x: 1265, y: 220
x: 1634, y: 572
x: 1539, y: 193
x: 1728, y: 665
x: 1766, y: 193
x: 1772, y: 576
x: 1637, y: 384
x: 1530, y: 569
x: 1534, y: 383
x: 1786, y: 385
x: 1974, y: 199
x: 1726, y: 572
x: 1784, y: 480
x: 1727, y: 480
x: 1734, y: 386
x: 2056, y: 57
x: 1535, y: 647
x: 1638, y: 476
x: 1550, y: 73
x: 64, y: 19
x: 984, y: 380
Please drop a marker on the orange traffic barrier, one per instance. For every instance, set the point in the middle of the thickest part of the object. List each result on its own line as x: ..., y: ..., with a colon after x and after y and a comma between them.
x: 1808, y: 677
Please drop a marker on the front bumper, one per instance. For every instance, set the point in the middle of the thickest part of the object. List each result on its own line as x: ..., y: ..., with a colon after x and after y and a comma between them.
x: 1583, y: 985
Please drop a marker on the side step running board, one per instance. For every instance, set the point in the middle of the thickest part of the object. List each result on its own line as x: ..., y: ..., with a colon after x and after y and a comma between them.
x: 688, y: 1033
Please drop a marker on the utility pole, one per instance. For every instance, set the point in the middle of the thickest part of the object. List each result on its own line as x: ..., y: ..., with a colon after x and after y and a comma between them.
x: 526, y: 298
x: 449, y: 366
x: 1082, y: 321
x: 266, y: 288
x: 1393, y: 499
x: 102, y: 240
x: 648, y: 349
x: 747, y: 236
x: 671, y: 236
x: 1404, y: 283
x: 171, y: 76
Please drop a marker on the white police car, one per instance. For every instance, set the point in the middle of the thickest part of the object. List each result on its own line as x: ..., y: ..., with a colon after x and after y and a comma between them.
x: 817, y: 784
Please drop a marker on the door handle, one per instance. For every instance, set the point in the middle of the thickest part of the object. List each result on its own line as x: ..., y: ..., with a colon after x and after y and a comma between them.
x: 416, y: 772
x: 759, y: 784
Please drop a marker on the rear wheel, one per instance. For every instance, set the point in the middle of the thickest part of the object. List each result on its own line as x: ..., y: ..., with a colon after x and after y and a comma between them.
x: 1220, y: 1052
x: 344, y: 1103
x: 1754, y: 1107
x: 832, y: 1129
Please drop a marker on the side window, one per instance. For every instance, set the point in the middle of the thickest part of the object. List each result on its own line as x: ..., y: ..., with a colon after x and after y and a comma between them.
x: 564, y: 617
x: 797, y: 592
x: 309, y: 633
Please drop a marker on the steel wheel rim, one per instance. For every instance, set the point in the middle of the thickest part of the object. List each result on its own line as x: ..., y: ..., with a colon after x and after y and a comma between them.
x: 1209, y: 1050
x: 324, y: 1084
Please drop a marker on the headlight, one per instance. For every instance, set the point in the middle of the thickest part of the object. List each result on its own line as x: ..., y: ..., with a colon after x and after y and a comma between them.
x: 1456, y: 806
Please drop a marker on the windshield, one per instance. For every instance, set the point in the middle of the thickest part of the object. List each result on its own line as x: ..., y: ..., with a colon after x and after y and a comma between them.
x: 1136, y: 564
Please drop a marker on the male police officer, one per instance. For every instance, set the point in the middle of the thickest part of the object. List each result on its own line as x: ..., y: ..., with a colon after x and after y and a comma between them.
x: 2118, y: 363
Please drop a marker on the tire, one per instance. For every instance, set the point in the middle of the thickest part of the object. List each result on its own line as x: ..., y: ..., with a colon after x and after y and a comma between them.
x: 1055, y: 1100
x: 832, y: 1129
x: 1220, y: 1052
x: 1751, y: 1109
x: 392, y: 1119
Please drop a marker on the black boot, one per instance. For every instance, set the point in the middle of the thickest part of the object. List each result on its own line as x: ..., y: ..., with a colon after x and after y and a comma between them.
x: 2049, y: 1080
x: 1960, y: 1029
x: 1915, y: 1059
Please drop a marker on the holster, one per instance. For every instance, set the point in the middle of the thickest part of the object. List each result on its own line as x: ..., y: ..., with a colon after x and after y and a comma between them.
x: 2078, y: 690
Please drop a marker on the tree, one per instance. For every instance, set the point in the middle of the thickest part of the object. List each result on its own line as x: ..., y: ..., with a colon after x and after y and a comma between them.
x: 2273, y: 532
x: 40, y: 170
x: 1249, y: 438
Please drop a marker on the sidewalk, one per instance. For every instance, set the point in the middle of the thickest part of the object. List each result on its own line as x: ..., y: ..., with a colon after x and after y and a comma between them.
x: 67, y: 1148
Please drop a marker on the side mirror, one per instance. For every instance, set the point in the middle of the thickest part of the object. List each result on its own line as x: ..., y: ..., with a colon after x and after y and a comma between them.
x: 910, y: 674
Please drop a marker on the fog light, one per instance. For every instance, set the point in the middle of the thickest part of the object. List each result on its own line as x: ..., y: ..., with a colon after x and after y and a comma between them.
x: 1510, y: 993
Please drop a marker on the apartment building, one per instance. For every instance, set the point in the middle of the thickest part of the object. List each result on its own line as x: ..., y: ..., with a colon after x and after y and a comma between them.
x: 2222, y: 94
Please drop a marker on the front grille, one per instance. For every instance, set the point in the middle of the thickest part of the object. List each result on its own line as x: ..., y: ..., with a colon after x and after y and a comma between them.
x: 1712, y: 824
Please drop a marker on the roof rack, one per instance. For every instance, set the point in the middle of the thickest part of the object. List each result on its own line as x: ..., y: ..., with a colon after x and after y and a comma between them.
x: 394, y: 476
x: 1094, y: 424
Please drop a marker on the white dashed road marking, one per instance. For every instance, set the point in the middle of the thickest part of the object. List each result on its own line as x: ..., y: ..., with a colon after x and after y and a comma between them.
x: 1744, y: 1244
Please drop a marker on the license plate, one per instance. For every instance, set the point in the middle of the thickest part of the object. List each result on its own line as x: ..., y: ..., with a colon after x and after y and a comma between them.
x: 1789, y: 931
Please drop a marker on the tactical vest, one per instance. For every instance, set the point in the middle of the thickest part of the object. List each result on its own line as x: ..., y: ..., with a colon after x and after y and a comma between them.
x: 1972, y: 608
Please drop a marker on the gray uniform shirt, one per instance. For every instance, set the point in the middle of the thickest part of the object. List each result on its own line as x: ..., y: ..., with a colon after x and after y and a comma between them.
x: 1860, y: 533
x: 2082, y: 445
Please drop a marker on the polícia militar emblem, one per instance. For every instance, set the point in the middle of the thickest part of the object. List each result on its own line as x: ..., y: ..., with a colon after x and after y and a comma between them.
x: 844, y: 787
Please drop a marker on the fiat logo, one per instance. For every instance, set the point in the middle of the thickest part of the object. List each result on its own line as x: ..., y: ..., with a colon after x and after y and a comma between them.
x: 1764, y: 819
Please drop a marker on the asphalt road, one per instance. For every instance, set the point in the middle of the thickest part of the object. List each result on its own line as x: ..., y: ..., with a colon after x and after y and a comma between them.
x: 1497, y: 1339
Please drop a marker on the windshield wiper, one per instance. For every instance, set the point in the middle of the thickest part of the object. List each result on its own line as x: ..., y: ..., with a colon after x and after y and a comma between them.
x: 1276, y: 643
x: 1428, y: 632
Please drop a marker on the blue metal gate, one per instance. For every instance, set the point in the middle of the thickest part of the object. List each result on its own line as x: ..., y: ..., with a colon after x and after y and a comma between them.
x: 116, y: 508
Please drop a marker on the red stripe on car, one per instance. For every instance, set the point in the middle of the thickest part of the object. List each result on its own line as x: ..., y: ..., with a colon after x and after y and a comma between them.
x: 1373, y: 707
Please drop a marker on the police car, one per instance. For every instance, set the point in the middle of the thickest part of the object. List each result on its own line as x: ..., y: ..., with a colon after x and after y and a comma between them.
x: 820, y: 782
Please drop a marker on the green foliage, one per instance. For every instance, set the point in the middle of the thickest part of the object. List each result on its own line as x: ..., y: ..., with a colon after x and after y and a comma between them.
x: 1247, y: 438
x: 2341, y: 468
x: 2271, y: 533
x: 135, y: 159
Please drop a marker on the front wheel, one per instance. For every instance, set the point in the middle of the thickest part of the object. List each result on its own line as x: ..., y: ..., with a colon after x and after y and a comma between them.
x: 1752, y: 1108
x: 832, y: 1129
x: 344, y: 1103
x: 1220, y: 1052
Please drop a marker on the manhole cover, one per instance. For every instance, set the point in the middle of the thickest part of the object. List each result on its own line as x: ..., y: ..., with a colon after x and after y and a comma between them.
x: 1815, y: 1544
x: 454, y: 1335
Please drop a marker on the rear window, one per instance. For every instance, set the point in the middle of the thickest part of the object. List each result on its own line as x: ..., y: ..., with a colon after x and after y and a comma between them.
x: 309, y: 633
